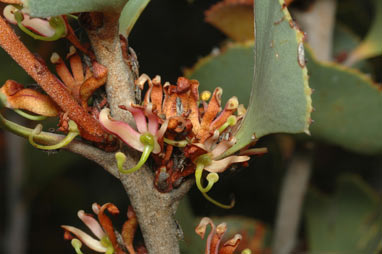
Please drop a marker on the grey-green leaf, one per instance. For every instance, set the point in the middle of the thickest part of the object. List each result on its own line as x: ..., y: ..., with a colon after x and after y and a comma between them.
x: 348, y: 222
x: 48, y: 8
x: 231, y: 69
x: 371, y: 45
x: 280, y: 97
x: 130, y: 15
x: 347, y: 105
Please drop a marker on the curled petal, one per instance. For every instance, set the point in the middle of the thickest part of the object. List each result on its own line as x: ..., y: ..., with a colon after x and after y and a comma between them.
x: 230, y: 246
x: 162, y: 130
x: 19, y: 2
x: 157, y: 94
x: 193, y: 104
x: 201, y: 230
x: 138, y: 113
x: 212, y: 110
x: 18, y: 97
x: 222, y: 147
x: 92, y: 83
x: 220, y: 230
x: 221, y: 165
x: 230, y: 107
x: 169, y: 102
x: 85, y: 238
x: 128, y: 230
x: 121, y: 129
x: 255, y: 151
x: 95, y: 208
x: 107, y: 224
x: 63, y: 71
x: 76, y: 65
x: 91, y: 223
x: 153, y: 120
x: 36, y: 24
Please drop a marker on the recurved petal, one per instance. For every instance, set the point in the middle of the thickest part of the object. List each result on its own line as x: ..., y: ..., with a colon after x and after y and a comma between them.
x: 222, y: 147
x: 86, y: 239
x: 28, y: 99
x: 221, y: 165
x: 41, y: 26
x: 201, y: 230
x: 230, y: 246
x: 121, y: 129
x: 212, y: 110
x: 91, y: 84
x: 220, y: 230
x: 128, y: 230
x: 91, y: 223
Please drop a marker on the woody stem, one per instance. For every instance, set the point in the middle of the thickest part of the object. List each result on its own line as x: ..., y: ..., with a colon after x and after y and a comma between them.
x: 154, y: 210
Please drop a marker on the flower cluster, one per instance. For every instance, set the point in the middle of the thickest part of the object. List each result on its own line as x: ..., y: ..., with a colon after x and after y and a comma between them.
x: 107, y: 240
x: 215, y: 237
x: 184, y: 131
x: 187, y: 133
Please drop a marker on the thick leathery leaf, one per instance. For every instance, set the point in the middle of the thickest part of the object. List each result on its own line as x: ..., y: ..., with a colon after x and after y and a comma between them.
x: 130, y: 15
x: 230, y: 68
x: 371, y: 45
x: 347, y: 107
x: 280, y: 97
x: 233, y: 17
x: 350, y: 221
x: 49, y: 8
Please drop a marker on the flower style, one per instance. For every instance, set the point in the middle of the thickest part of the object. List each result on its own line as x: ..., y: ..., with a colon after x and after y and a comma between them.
x: 103, y: 230
x: 146, y: 140
x: 215, y: 236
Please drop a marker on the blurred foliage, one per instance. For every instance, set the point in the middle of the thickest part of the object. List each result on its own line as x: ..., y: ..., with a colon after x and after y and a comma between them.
x: 350, y: 221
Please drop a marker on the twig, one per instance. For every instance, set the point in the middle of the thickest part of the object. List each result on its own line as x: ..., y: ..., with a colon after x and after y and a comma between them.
x: 107, y: 47
x: 318, y: 22
x: 292, y: 195
x: 155, y: 211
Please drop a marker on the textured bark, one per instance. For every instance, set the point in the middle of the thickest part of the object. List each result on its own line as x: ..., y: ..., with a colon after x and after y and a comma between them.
x: 154, y: 210
x: 318, y: 22
x: 293, y: 191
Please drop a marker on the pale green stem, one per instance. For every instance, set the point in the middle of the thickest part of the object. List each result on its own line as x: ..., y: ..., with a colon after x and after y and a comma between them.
x: 180, y: 143
x: 56, y: 22
x: 73, y: 132
x: 22, y: 131
x: 148, y: 140
x: 29, y: 116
